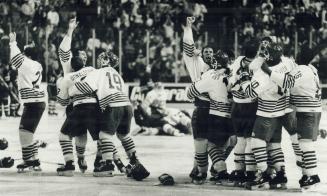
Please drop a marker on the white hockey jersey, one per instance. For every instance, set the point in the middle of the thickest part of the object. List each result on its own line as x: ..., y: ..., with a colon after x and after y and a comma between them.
x: 239, y: 96
x: 272, y: 100
x: 29, y: 76
x: 108, y: 85
x: 156, y: 99
x: 68, y: 92
x: 305, y: 87
x: 194, y: 62
x: 213, y: 83
x: 65, y: 54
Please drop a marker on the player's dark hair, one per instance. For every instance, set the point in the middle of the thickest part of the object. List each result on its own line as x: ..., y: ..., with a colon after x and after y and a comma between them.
x: 76, y: 63
x: 305, y: 56
x: 31, y: 52
x: 275, y: 51
x: 207, y: 46
x: 250, y: 48
x: 75, y: 52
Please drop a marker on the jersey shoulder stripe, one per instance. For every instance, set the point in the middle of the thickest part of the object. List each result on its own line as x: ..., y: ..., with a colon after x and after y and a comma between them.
x: 64, y: 55
x: 188, y: 49
x: 17, y: 60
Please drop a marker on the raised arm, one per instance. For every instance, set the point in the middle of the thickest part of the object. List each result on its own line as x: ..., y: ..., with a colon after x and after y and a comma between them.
x: 16, y: 57
x: 191, y: 56
x: 188, y: 42
x: 65, y: 53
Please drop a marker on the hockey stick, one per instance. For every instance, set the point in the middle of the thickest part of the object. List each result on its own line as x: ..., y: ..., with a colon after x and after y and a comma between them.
x: 2, y: 81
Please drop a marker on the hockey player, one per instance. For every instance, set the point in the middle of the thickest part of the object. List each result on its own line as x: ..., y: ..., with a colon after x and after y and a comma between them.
x: 243, y: 116
x: 289, y: 119
x: 196, y: 65
x: 83, y: 115
x: 115, y: 117
x: 268, y: 124
x: 65, y: 53
x: 306, y: 96
x: 29, y: 81
x: 5, y: 162
x: 215, y: 83
x: 65, y: 56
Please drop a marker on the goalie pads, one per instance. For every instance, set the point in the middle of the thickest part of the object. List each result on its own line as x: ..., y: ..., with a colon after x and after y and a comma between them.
x: 166, y: 179
x: 137, y: 171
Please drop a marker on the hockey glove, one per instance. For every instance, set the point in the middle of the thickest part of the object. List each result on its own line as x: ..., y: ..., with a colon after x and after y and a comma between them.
x: 166, y: 179
x: 6, y: 162
x: 3, y: 144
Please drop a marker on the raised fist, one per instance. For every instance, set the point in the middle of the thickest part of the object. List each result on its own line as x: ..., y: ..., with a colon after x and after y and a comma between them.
x: 6, y: 162
x: 190, y: 21
x: 12, y: 37
x: 3, y: 144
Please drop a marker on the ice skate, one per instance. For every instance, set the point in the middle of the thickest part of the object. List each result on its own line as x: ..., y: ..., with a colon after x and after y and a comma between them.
x: 67, y: 169
x: 260, y: 182
x: 237, y: 178
x: 199, y: 179
x: 135, y: 169
x: 309, y: 184
x: 121, y: 167
x: 32, y: 165
x: 105, y: 170
x: 195, y: 172
x: 279, y: 181
x: 221, y: 178
x: 82, y: 164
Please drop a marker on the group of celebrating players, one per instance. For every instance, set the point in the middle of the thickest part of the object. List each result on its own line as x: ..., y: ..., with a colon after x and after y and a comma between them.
x: 95, y: 102
x: 252, y: 97
x: 241, y: 104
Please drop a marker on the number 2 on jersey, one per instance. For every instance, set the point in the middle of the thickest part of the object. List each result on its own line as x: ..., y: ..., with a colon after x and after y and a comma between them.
x: 114, y: 81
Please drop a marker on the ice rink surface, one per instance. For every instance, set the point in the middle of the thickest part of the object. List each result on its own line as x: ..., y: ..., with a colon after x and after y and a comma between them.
x: 159, y: 154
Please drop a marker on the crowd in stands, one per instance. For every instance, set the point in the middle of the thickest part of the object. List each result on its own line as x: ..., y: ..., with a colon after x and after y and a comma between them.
x: 163, y: 20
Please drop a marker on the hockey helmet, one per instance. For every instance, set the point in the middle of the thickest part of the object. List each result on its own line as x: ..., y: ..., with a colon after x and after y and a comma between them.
x: 106, y: 59
x: 275, y: 52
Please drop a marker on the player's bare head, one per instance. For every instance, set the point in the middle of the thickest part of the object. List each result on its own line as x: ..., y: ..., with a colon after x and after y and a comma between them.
x: 107, y: 59
x: 221, y: 59
x: 31, y: 52
x: 305, y: 56
x: 83, y: 56
x: 231, y: 56
x: 275, y: 52
x: 207, y: 54
x: 77, y: 63
x: 80, y: 53
x: 250, y: 48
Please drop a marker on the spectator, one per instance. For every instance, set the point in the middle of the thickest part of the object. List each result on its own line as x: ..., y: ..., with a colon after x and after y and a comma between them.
x: 53, y: 16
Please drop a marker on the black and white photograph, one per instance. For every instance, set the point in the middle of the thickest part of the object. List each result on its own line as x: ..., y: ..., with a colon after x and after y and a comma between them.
x: 163, y: 97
